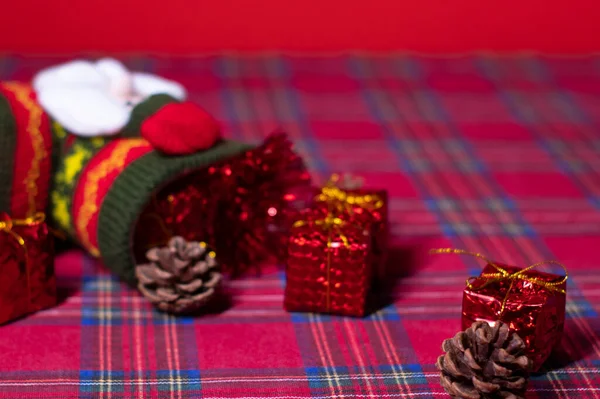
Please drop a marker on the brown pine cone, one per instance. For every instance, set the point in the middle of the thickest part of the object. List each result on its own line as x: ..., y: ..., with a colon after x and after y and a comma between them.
x: 484, y: 362
x: 180, y: 277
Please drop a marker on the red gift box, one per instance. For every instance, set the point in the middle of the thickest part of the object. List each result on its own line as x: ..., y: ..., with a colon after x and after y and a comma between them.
x: 329, y: 265
x: 532, y: 303
x: 362, y: 207
x: 27, y: 282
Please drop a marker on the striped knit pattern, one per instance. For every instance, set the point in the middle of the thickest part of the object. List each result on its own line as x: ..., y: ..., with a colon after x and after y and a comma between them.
x: 71, y: 155
x: 499, y: 155
x: 133, y: 189
x: 65, y: 179
x: 96, y: 183
x: 31, y: 150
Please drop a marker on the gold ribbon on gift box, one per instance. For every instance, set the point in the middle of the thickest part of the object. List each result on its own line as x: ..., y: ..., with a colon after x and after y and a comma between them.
x: 504, y: 275
x: 329, y: 223
x: 342, y: 200
x: 339, y: 200
x: 7, y: 225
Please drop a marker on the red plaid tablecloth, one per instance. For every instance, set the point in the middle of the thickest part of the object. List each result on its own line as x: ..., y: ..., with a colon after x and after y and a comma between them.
x: 495, y: 155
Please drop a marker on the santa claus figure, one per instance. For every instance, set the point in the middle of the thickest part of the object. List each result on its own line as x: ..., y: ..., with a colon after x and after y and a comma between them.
x: 141, y: 178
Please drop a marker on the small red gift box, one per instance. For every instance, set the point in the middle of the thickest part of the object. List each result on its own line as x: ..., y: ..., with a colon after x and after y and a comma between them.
x: 362, y: 207
x: 532, y: 303
x: 329, y: 265
x: 27, y: 282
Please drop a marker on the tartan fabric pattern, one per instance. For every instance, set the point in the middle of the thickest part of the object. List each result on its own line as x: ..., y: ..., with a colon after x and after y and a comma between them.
x: 494, y: 155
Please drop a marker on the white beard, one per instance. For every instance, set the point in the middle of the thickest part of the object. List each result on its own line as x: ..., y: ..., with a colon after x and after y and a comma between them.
x: 96, y: 98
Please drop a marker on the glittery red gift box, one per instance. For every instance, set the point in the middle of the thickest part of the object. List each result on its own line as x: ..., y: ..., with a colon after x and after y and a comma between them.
x: 535, y: 312
x: 376, y: 216
x: 27, y: 282
x: 329, y: 265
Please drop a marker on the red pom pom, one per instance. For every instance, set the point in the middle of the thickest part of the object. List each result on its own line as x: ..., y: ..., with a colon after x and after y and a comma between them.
x: 181, y: 128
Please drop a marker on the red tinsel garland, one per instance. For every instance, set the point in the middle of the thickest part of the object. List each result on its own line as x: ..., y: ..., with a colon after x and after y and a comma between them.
x: 242, y: 206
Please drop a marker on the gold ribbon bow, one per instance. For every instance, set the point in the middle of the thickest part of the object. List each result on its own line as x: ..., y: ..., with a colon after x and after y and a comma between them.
x: 504, y: 275
x: 343, y: 200
x: 7, y: 225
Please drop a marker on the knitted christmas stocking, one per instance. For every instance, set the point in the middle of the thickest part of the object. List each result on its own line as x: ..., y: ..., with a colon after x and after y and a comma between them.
x: 120, y: 140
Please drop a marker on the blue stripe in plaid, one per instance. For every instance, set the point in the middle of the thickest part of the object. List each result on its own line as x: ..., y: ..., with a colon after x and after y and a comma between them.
x: 93, y: 381
x: 324, y: 375
x: 413, y: 374
x: 184, y: 380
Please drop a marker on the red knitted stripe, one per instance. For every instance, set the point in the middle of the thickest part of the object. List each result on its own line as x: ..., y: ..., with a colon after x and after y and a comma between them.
x: 31, y: 174
x: 70, y: 140
x: 94, y: 183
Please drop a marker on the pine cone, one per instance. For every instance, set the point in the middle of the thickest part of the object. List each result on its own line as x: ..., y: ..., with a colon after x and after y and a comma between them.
x: 484, y: 362
x: 180, y: 277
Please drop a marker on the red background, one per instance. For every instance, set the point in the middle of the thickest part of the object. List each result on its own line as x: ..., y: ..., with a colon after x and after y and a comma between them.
x: 194, y: 26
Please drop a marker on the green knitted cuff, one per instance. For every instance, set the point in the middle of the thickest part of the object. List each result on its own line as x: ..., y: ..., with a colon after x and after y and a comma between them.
x: 133, y: 189
x: 143, y: 110
x: 8, y: 136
